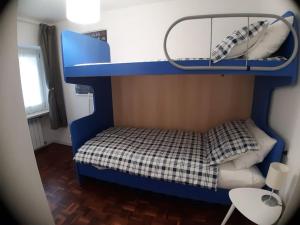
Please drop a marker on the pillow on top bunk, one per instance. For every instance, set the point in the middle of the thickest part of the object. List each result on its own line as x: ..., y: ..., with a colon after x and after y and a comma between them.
x: 229, y: 140
x: 265, y: 145
x: 271, y: 40
x: 237, y: 41
x: 242, y: 48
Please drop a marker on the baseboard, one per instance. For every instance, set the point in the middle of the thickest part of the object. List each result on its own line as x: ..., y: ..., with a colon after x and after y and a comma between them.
x: 62, y: 143
x: 45, y: 147
x: 39, y: 150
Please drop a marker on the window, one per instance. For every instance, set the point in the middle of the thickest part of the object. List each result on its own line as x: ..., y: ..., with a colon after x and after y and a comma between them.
x: 33, y: 80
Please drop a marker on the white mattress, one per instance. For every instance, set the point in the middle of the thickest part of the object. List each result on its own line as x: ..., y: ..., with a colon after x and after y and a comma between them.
x: 275, y: 58
x: 229, y: 177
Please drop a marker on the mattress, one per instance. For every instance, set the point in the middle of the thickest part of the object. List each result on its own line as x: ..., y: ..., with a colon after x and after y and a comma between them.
x: 178, y: 156
x: 240, y: 61
x: 171, y: 155
x: 159, y: 67
x: 229, y: 177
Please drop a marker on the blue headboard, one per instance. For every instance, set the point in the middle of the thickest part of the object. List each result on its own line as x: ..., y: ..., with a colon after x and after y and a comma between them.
x: 78, y: 49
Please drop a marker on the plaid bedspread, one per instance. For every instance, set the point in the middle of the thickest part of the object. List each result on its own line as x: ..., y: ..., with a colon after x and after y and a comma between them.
x: 171, y: 155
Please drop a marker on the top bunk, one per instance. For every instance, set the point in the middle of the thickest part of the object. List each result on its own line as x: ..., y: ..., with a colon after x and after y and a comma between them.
x: 84, y: 56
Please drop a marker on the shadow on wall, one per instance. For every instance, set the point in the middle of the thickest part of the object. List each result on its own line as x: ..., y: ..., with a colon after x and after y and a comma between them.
x: 6, y: 215
x: 285, y: 119
x: 293, y: 201
x: 295, y: 187
x: 3, y: 3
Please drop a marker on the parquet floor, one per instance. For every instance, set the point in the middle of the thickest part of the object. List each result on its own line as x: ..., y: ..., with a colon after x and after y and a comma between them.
x: 101, y: 203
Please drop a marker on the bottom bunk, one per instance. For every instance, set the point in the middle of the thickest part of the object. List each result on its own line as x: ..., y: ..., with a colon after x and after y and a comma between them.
x: 158, y: 186
x: 200, y: 166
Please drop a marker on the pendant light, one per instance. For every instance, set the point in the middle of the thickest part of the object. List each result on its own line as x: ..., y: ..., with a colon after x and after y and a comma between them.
x: 83, y: 11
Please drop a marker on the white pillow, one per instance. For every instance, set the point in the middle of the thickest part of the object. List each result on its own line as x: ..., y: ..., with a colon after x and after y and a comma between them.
x: 238, y: 37
x: 241, y: 48
x: 271, y: 40
x: 265, y: 145
x: 229, y: 177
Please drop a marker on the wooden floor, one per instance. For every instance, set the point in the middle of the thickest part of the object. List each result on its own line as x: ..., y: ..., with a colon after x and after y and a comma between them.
x: 97, y: 203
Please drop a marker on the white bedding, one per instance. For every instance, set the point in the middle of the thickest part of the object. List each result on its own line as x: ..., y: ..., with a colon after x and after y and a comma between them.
x: 229, y: 177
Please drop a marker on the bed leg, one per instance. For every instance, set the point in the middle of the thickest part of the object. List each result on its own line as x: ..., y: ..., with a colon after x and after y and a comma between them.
x: 80, y: 179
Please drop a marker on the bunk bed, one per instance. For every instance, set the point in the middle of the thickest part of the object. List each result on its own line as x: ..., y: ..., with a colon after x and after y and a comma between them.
x: 87, y: 61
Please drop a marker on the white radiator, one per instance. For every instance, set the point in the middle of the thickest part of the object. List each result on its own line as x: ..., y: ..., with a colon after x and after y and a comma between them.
x: 36, y: 133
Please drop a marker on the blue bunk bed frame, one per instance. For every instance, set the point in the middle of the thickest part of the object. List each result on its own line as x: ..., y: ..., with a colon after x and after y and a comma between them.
x: 81, y: 49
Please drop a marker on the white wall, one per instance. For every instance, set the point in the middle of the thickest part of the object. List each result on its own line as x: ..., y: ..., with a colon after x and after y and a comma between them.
x: 27, y: 32
x: 136, y: 33
x: 285, y: 118
x: 21, y: 188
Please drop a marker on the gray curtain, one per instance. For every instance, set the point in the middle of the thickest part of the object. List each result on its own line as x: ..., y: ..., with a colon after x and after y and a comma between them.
x: 48, y: 43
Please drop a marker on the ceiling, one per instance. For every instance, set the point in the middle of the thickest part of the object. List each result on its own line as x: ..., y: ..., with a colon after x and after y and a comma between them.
x: 52, y: 11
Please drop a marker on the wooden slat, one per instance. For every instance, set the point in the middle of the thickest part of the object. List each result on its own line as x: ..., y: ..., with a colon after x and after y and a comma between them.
x: 181, y: 102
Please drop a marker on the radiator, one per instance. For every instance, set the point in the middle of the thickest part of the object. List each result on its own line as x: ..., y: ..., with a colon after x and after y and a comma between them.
x: 36, y: 133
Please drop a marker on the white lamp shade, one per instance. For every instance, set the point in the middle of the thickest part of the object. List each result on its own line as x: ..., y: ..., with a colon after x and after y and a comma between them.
x: 276, y: 175
x: 83, y: 11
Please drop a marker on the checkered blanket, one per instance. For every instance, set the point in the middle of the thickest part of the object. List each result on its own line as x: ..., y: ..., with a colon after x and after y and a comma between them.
x: 172, y: 155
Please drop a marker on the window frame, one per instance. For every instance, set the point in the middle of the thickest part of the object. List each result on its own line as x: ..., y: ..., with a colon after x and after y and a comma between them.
x: 43, y: 108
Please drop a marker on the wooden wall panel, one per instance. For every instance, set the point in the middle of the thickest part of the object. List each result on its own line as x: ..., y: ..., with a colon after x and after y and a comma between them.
x: 181, y: 101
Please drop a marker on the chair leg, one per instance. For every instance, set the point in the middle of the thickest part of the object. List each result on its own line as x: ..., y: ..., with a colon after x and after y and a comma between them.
x: 229, y: 213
